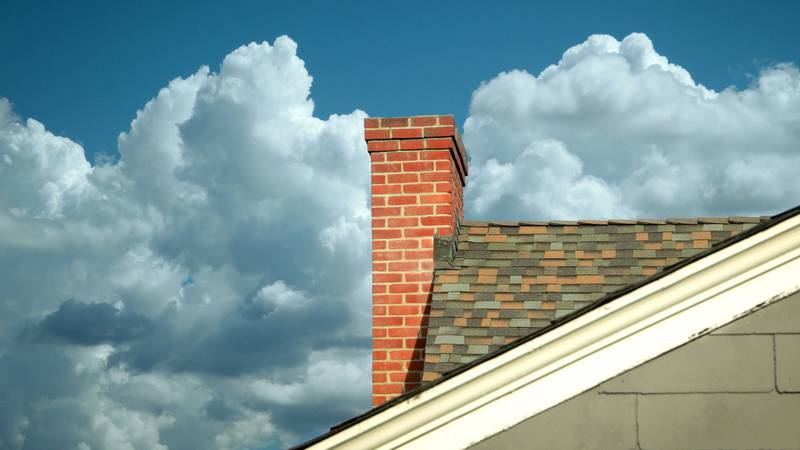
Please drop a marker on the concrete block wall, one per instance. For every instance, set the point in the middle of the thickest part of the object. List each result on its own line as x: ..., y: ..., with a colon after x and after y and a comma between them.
x: 736, y: 388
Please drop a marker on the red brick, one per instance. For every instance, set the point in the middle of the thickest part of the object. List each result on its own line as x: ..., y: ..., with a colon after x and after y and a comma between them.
x: 403, y: 178
x: 417, y: 188
x: 394, y: 121
x: 386, y: 321
x: 404, y: 244
x: 387, y: 299
x: 382, y: 146
x: 386, y: 234
x: 402, y: 156
x: 378, y: 288
x: 423, y: 121
x: 415, y: 343
x: 403, y: 332
x: 387, y: 365
x: 402, y: 288
x: 378, y: 201
x: 424, y: 166
x: 372, y: 123
x: 412, y: 144
x: 416, y: 298
x: 387, y: 388
x: 418, y: 210
x: 379, y: 332
x: 433, y: 176
x: 387, y: 343
x: 406, y: 133
x: 418, y: 232
x: 379, y: 355
x: 436, y: 220
x: 435, y: 198
x: 379, y: 377
x: 416, y: 321
x: 383, y: 189
x: 439, y: 131
x: 387, y: 256
x: 403, y: 310
x: 402, y: 266
x: 435, y: 155
x: 446, y: 120
x: 418, y: 254
x: 403, y: 221
x: 378, y: 179
x: 387, y: 277
x: 443, y: 187
x: 376, y: 134
x: 394, y: 355
x: 387, y: 168
x: 446, y: 210
x: 403, y: 200
x: 438, y: 143
x: 405, y: 377
x: 383, y: 212
x: 379, y: 245
x: 444, y: 231
x: 420, y: 277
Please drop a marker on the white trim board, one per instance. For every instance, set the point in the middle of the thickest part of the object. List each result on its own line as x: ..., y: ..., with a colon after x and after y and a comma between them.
x: 588, y: 350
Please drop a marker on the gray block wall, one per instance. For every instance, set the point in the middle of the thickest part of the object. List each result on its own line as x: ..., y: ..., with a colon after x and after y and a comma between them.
x: 736, y: 388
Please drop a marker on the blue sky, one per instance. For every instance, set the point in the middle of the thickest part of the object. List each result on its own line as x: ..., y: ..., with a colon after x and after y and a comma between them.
x: 84, y: 69
x: 208, y: 285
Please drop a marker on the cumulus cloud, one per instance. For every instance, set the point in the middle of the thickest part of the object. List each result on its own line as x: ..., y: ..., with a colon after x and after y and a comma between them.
x: 615, y: 129
x: 228, y: 244
x: 210, y: 289
x: 92, y: 324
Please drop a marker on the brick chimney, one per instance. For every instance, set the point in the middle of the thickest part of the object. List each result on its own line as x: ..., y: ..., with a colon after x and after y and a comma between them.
x: 419, y: 168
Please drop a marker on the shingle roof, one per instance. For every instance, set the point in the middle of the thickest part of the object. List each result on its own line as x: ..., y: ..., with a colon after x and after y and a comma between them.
x: 508, y: 279
x: 753, y: 225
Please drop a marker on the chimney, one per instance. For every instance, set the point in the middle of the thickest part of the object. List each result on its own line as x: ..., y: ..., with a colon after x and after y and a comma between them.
x: 419, y: 168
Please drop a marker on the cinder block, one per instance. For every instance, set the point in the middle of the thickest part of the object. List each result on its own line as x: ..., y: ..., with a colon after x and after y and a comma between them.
x: 588, y: 421
x: 736, y: 363
x: 719, y: 421
x: 782, y: 316
x: 787, y: 362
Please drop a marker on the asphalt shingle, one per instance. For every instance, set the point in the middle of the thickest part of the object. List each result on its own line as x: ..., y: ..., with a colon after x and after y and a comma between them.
x: 508, y: 279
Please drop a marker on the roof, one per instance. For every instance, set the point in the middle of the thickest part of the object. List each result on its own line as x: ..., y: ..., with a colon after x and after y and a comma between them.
x: 508, y: 279
x: 675, y: 274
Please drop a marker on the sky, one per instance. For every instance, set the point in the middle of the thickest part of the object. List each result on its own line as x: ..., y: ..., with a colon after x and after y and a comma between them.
x: 184, y: 208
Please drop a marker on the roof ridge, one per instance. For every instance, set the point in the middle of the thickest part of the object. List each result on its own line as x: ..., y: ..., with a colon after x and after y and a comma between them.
x: 640, y: 221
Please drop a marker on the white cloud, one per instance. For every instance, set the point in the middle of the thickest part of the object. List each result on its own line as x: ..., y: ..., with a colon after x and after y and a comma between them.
x: 648, y: 139
x: 228, y: 244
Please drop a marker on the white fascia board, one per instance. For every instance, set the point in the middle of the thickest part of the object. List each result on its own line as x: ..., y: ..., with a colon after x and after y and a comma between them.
x: 594, y: 347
